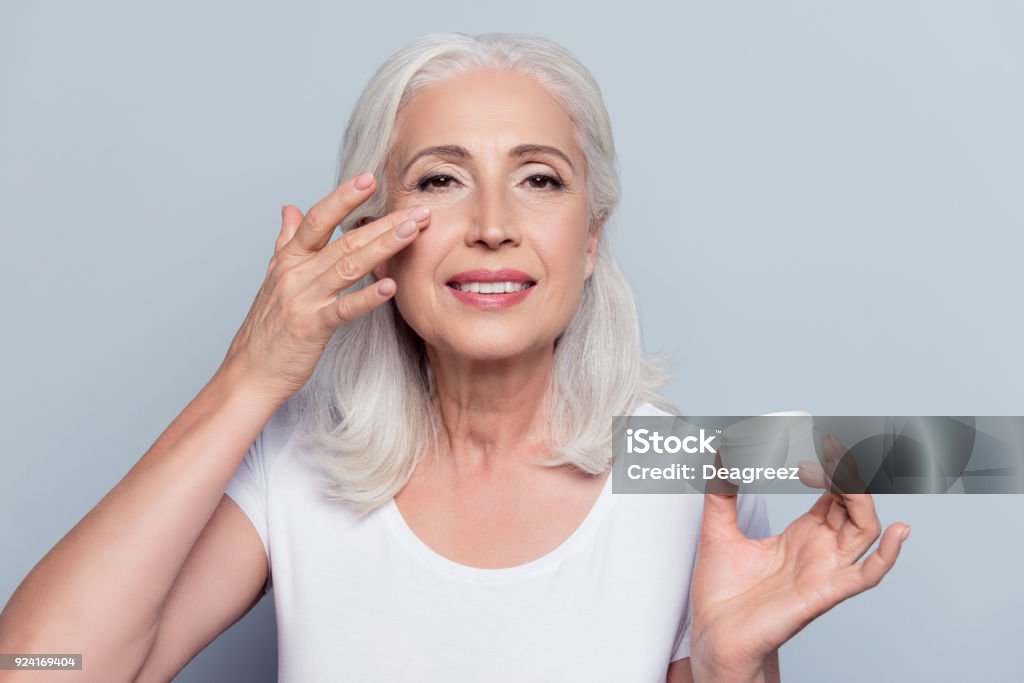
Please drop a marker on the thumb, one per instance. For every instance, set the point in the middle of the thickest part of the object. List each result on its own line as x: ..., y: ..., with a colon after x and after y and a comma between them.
x: 720, y: 507
x: 291, y: 217
x: 720, y: 517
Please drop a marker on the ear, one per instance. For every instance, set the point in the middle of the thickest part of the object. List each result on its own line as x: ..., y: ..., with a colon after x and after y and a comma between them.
x: 593, y: 240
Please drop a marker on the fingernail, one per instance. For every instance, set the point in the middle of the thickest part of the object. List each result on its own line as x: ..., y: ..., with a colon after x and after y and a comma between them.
x: 420, y: 213
x: 405, y: 229
x: 385, y: 288
x: 282, y: 213
x: 363, y: 181
x: 903, y: 536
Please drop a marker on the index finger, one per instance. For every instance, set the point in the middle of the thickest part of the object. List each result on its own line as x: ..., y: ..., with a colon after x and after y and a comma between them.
x: 317, y: 227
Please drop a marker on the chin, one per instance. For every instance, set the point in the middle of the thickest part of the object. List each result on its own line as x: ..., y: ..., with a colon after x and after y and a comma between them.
x: 482, y: 348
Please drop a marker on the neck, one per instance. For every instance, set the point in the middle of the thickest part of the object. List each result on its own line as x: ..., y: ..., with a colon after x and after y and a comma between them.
x: 495, y: 411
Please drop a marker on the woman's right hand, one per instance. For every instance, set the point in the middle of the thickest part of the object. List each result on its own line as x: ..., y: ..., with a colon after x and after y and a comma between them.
x: 297, y: 309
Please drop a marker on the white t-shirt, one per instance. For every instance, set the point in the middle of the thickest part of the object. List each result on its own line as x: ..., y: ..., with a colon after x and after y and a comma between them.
x: 365, y: 600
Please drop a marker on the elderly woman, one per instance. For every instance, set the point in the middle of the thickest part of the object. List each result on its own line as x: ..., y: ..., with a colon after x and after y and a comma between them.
x: 409, y: 437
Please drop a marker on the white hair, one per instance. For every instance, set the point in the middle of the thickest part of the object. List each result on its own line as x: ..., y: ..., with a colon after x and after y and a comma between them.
x: 368, y: 411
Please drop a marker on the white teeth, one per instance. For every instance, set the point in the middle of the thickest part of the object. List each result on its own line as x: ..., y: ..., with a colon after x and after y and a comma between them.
x: 490, y: 287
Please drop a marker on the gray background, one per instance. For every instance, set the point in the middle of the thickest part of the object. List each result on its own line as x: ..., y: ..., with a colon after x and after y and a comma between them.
x: 822, y: 212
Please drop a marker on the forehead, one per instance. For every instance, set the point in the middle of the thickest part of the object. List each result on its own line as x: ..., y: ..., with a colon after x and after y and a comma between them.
x: 484, y: 111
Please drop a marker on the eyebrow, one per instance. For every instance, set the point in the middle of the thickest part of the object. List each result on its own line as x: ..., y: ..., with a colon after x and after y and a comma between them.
x: 461, y: 153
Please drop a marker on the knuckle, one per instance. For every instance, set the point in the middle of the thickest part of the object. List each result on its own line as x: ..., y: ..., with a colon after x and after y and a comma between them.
x: 345, y: 310
x: 287, y: 279
x: 276, y: 266
x: 347, y: 242
x: 347, y: 268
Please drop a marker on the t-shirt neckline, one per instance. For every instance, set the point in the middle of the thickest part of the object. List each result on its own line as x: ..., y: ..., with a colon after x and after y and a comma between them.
x: 434, y: 560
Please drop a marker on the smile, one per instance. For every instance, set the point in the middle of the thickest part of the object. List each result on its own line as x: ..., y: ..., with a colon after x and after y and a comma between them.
x: 489, y: 289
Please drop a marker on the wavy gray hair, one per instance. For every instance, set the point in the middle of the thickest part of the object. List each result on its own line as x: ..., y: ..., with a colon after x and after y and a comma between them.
x: 368, y: 411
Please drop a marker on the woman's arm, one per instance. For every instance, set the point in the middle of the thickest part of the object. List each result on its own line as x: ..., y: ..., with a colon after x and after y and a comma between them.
x: 679, y: 671
x: 102, y: 589
x: 106, y: 587
x: 222, y: 579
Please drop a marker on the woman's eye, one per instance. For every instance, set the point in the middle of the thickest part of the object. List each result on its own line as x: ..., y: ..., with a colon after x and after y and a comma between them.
x: 443, y: 181
x: 435, y: 182
x: 541, y: 182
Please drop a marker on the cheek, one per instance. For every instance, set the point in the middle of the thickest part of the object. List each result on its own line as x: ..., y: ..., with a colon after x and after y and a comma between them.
x: 433, y: 244
x: 416, y: 267
x: 566, y: 254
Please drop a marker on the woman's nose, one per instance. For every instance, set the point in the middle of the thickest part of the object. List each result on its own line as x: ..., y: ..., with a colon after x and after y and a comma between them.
x: 492, y: 221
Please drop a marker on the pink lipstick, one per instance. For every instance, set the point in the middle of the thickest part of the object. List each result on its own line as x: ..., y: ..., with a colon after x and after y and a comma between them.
x: 488, y: 289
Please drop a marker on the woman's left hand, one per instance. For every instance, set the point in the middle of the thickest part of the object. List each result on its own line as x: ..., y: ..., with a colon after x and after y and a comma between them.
x: 752, y: 595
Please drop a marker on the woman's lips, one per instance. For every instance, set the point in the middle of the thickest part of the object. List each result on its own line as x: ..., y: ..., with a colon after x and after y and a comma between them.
x: 487, y: 301
x: 487, y: 275
x: 487, y: 279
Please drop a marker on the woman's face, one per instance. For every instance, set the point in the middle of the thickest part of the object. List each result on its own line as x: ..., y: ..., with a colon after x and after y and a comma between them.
x: 495, y: 158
